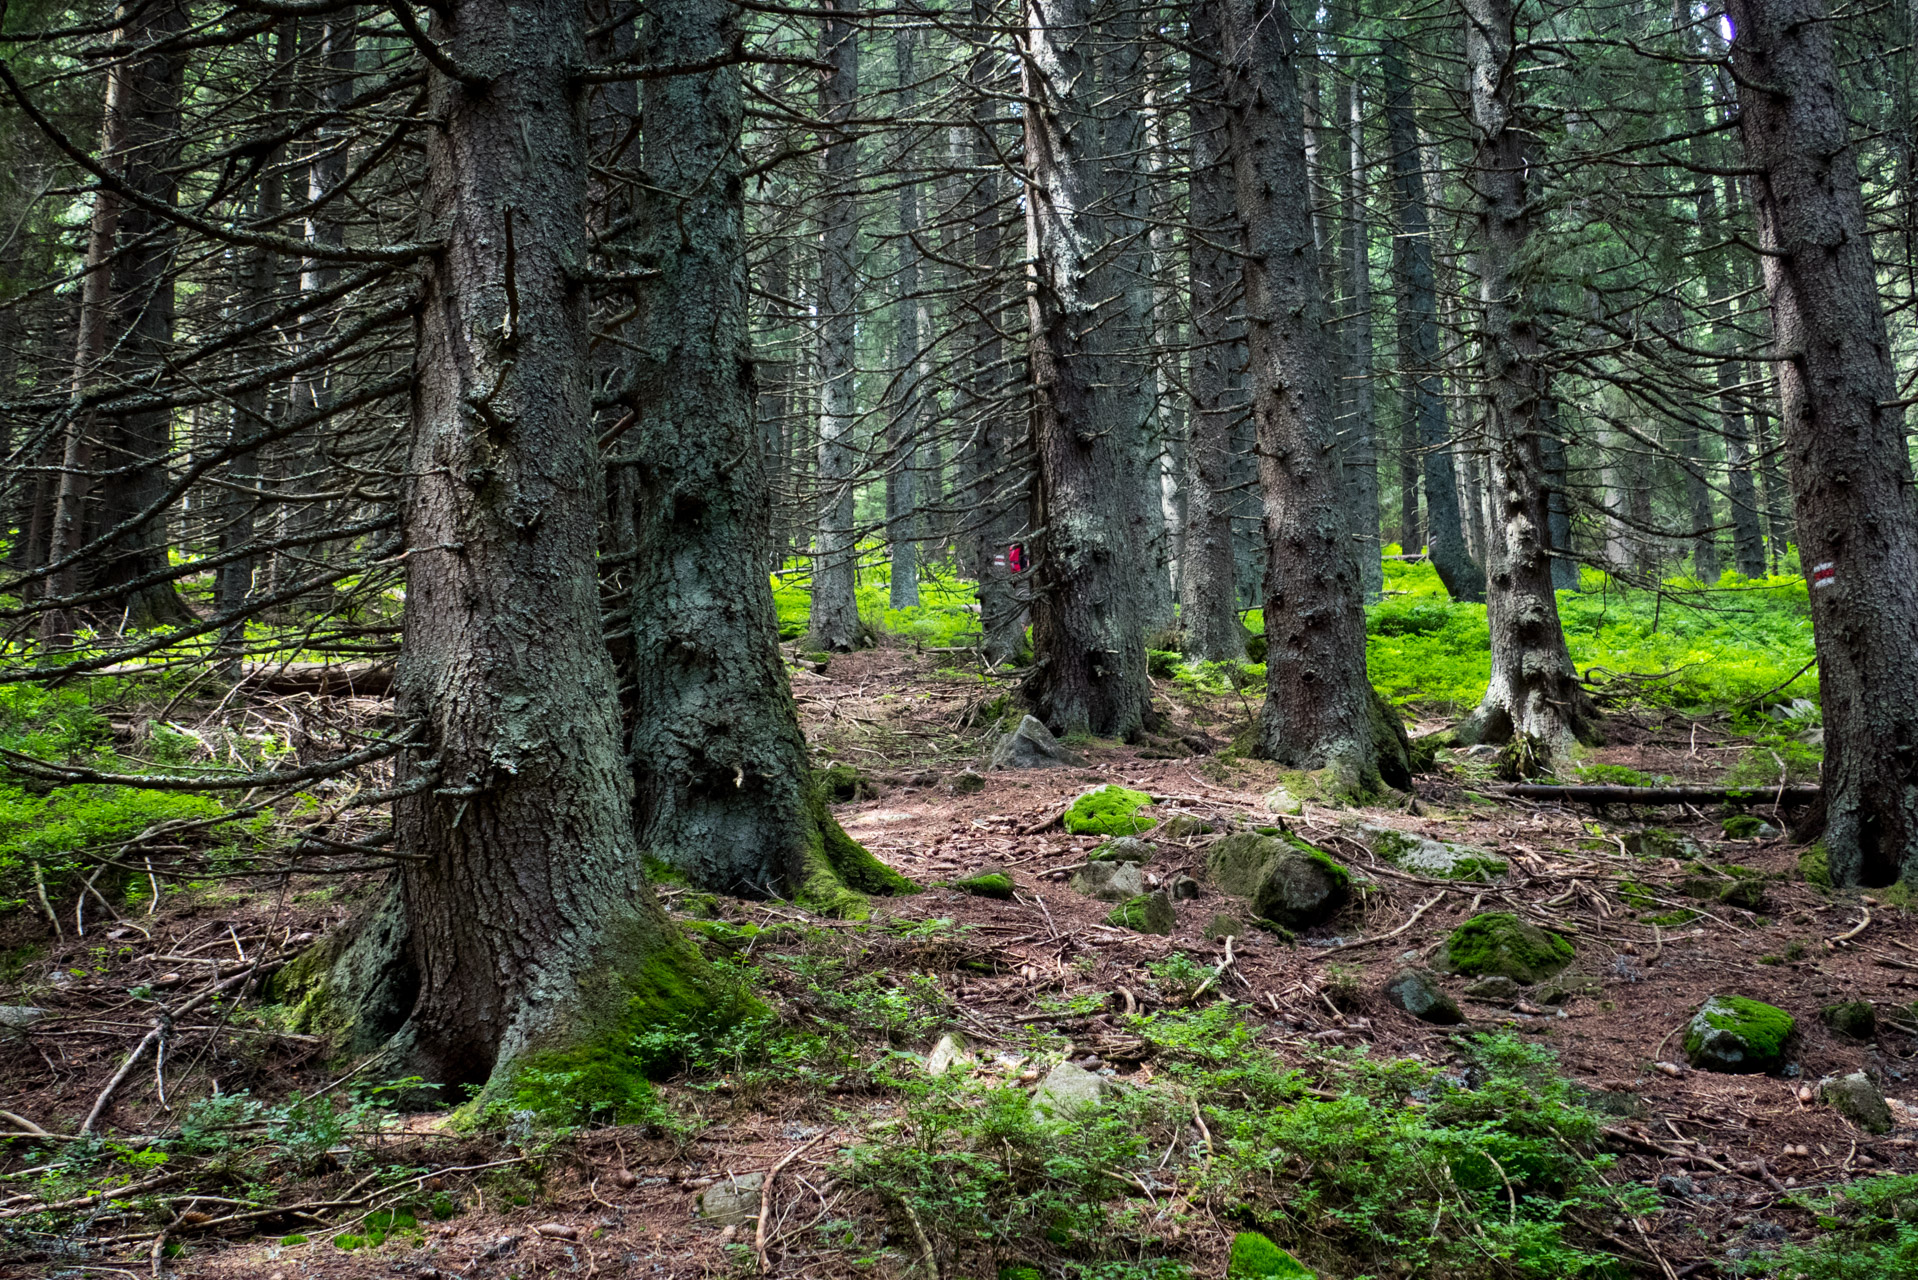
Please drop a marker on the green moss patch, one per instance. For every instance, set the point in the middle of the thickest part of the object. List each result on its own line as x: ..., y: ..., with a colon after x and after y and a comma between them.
x: 1498, y: 942
x: 1854, y: 1019
x: 839, y: 871
x: 992, y: 884
x: 1256, y: 1258
x: 1109, y: 811
x: 1814, y: 866
x: 1147, y: 913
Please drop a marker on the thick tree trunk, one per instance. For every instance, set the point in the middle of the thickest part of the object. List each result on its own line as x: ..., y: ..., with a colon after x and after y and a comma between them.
x: 835, y: 606
x: 1088, y: 631
x: 1558, y: 497
x: 724, y: 789
x: 522, y: 932
x: 1208, y: 595
x: 1422, y: 380
x: 1534, y: 695
x: 1857, y: 518
x: 1318, y: 706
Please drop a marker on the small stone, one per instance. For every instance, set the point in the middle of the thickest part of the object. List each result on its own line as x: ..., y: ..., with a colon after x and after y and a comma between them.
x: 1430, y: 857
x: 1855, y: 1019
x: 987, y: 884
x: 950, y: 1050
x: 16, y: 1018
x: 1743, y: 826
x: 1660, y: 842
x: 1147, y: 913
x: 1123, y: 849
x: 1110, y: 881
x: 1746, y: 895
x: 1676, y: 1184
x: 1226, y: 925
x: 732, y: 1201
x: 625, y: 1178
x: 1183, y: 826
x: 1068, y: 1088
x: 1492, y: 987
x: 968, y: 782
x: 1857, y: 1099
x: 1279, y: 800
x: 1419, y: 994
x: 558, y: 1231
x: 1183, y: 888
x: 1734, y: 1034
x: 1031, y: 746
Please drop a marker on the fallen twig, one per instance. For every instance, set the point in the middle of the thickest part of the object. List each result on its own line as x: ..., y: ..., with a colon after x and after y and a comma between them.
x: 766, y: 1202
x: 1383, y: 937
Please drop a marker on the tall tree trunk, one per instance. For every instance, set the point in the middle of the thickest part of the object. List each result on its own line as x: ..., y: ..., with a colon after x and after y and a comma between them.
x: 1857, y: 517
x: 724, y: 789
x: 1318, y: 709
x: 1422, y: 397
x: 991, y: 457
x: 1534, y: 696
x: 1208, y: 598
x: 835, y: 605
x: 902, y: 429
x: 1088, y: 631
x: 522, y: 932
x: 1358, y: 436
x: 1558, y: 497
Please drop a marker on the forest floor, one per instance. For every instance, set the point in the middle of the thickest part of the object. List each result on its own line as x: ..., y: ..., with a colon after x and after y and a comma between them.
x: 289, y: 1181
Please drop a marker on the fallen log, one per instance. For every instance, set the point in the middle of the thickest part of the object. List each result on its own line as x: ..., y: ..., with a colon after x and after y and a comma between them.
x: 1596, y: 794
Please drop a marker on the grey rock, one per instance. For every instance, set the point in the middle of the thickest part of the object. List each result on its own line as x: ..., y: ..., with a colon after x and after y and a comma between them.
x: 1419, y: 994
x: 1123, y: 849
x: 1492, y: 987
x: 1183, y: 888
x: 1857, y: 1099
x: 1182, y: 826
x: 1031, y: 746
x: 732, y: 1202
x: 1427, y: 856
x: 15, y: 1018
x: 950, y: 1050
x: 1227, y: 925
x: 1068, y: 1088
x: 1110, y: 881
x: 1279, y: 800
x: 1737, y: 1035
x: 1147, y: 913
x: 1678, y: 1185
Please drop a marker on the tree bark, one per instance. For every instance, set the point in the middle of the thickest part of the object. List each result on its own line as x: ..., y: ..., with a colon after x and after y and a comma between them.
x: 1358, y: 437
x: 1208, y: 595
x: 902, y: 430
x: 1088, y: 632
x: 1534, y: 696
x: 522, y: 932
x: 1851, y: 477
x: 1318, y: 706
x: 1422, y: 380
x: 723, y: 786
x: 835, y: 624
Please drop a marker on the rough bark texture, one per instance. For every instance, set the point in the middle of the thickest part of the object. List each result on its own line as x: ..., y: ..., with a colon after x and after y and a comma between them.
x: 1843, y: 431
x: 1088, y: 633
x: 835, y: 607
x: 522, y: 928
x: 1534, y: 695
x: 1208, y: 594
x: 1422, y: 397
x: 902, y: 429
x: 1318, y: 705
x: 1358, y: 434
x: 723, y: 786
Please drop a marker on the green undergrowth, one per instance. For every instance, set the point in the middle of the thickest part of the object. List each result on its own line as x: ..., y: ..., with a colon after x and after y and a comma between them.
x: 946, y: 616
x: 1463, y: 1168
x: 1867, y: 1230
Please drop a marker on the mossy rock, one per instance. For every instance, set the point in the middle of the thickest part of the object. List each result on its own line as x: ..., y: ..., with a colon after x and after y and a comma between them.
x: 1744, y: 826
x: 1256, y: 1258
x: 1661, y: 842
x: 844, y: 782
x: 1290, y: 883
x: 1124, y: 849
x: 1746, y: 895
x: 1227, y: 925
x: 1737, y: 1035
x: 1109, y: 811
x: 1183, y: 826
x: 992, y: 884
x: 1147, y: 913
x: 1856, y: 1019
x: 1498, y: 942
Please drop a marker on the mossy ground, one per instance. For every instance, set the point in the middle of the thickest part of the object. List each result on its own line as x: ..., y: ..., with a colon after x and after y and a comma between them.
x: 1109, y: 811
x: 990, y: 885
x: 1256, y: 1258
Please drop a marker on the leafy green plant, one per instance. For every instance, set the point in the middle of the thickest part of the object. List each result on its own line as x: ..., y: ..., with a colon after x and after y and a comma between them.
x: 1866, y: 1231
